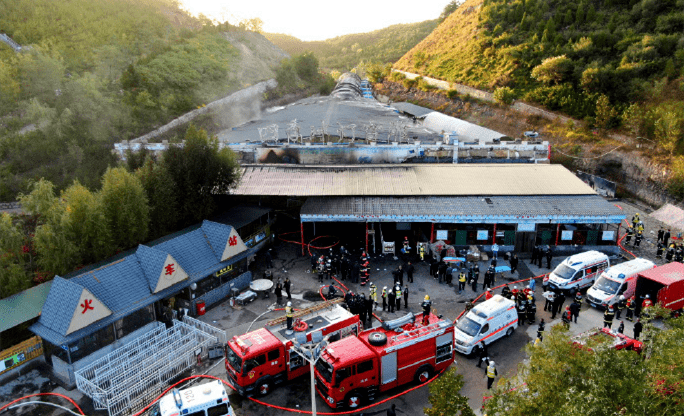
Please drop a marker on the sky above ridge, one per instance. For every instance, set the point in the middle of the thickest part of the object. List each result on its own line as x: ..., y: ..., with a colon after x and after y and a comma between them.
x: 319, y: 19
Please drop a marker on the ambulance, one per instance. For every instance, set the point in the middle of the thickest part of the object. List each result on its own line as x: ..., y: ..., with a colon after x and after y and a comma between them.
x: 209, y: 399
x: 486, y: 322
x: 577, y: 272
x: 619, y: 280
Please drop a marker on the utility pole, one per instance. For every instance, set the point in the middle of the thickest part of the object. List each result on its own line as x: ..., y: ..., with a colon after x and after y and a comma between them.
x: 311, y: 352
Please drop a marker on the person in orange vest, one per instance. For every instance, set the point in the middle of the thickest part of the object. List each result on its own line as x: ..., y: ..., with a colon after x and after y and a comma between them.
x: 488, y: 294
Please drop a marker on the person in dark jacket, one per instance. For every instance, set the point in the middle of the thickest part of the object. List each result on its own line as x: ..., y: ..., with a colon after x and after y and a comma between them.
x: 269, y: 259
x: 409, y: 272
x: 356, y: 269
x: 535, y: 253
x: 406, y: 293
x: 666, y: 237
x: 638, y: 327
x: 391, y: 300
x: 441, y: 271
x: 514, y: 263
x: 549, y: 256
x: 575, y: 310
x: 484, y: 355
x: 287, y: 286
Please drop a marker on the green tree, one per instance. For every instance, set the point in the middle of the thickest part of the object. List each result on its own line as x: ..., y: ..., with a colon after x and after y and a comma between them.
x: 448, y: 9
x: 13, y: 274
x: 162, y: 195
x: 605, y: 113
x: 200, y: 172
x: 445, y: 397
x: 126, y: 207
x: 85, y: 223
x: 668, y: 127
x: 306, y: 66
x: 564, y: 379
x: 553, y: 70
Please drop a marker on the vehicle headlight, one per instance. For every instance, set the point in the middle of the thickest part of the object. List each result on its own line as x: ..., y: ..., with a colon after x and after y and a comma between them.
x: 330, y: 400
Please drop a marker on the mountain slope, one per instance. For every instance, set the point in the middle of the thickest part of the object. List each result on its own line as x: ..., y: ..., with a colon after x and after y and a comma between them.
x: 344, y: 52
x: 612, y: 63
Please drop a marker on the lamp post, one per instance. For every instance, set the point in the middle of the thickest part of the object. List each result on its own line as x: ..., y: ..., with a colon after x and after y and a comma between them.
x: 311, y: 352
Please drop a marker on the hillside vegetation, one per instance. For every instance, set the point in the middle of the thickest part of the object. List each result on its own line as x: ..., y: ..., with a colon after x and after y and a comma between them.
x: 97, y: 71
x: 613, y: 63
x: 345, y: 52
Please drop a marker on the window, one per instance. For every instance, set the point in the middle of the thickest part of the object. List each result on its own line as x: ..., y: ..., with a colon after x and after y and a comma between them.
x: 200, y: 413
x: 365, y: 366
x: 341, y: 374
x: 444, y: 352
x: 134, y: 321
x: 220, y: 410
x: 485, y: 329
x: 254, y: 363
x: 273, y: 355
x: 296, y: 360
x: 91, y: 343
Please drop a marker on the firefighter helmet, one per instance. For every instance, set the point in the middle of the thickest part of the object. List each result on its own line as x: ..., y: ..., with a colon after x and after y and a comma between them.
x: 427, y: 297
x: 289, y: 304
x: 622, y: 297
x: 492, y: 363
x: 648, y: 296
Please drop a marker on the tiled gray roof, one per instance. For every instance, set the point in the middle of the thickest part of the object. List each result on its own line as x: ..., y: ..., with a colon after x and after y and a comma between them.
x: 452, y: 208
x: 151, y: 261
x: 124, y: 286
x: 60, y: 304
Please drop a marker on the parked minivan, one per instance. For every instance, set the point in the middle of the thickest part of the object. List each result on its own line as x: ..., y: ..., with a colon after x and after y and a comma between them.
x: 577, y: 271
x: 617, y: 280
x: 488, y: 321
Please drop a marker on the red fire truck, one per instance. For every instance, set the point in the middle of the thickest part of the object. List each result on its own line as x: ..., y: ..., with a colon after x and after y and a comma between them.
x: 353, y: 370
x: 261, y: 359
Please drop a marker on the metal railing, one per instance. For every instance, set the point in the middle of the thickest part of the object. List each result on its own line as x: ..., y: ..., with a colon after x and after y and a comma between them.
x: 125, y: 380
x: 220, y: 334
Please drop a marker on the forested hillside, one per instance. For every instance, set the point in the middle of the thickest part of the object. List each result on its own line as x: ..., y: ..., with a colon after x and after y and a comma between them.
x: 613, y: 63
x: 98, y: 71
x: 345, y: 52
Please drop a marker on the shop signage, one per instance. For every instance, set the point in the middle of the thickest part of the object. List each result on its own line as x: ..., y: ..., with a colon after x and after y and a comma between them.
x: 566, y: 235
x: 442, y: 234
x: 526, y: 227
x: 482, y: 234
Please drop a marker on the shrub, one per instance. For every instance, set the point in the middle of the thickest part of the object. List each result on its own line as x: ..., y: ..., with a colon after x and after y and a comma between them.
x: 504, y: 95
x: 397, y: 76
x: 451, y: 94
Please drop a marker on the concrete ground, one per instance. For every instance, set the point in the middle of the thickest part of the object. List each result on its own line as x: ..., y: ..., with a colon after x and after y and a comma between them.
x: 507, y: 352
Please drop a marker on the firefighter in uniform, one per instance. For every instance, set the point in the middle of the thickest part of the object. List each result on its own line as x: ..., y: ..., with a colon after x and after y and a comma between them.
x: 670, y: 252
x: 391, y: 300
x: 426, y: 305
x: 488, y: 294
x: 619, y: 306
x: 422, y: 252
x: 490, y: 371
x: 461, y: 281
x: 645, y: 305
x: 635, y: 220
x: 522, y: 313
x: 566, y: 317
x: 289, y: 313
x: 373, y: 294
x: 397, y: 293
x: 637, y: 240
x: 630, y: 234
x: 608, y: 317
x: 578, y: 297
x: 384, y: 298
x: 659, y: 250
x: 631, y: 306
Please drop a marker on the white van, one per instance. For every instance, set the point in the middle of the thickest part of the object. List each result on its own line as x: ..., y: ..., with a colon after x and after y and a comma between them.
x: 577, y: 271
x: 208, y: 399
x: 488, y: 321
x: 617, y: 280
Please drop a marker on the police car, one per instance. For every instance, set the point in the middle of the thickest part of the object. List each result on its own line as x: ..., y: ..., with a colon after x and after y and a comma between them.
x: 210, y: 399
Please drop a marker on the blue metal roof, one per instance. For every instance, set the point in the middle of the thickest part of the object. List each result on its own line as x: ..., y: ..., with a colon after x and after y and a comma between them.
x: 124, y: 286
x: 217, y: 236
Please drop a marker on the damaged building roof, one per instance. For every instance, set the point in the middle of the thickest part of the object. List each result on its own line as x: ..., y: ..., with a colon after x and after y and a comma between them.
x: 410, y: 180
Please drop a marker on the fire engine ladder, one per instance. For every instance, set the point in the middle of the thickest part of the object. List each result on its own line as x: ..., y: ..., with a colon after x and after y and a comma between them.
x: 415, y: 333
x: 324, y: 305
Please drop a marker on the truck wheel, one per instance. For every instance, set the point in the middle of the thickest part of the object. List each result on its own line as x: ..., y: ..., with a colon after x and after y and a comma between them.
x: 509, y: 332
x: 263, y: 387
x: 377, y: 338
x: 423, y: 374
x: 353, y: 400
